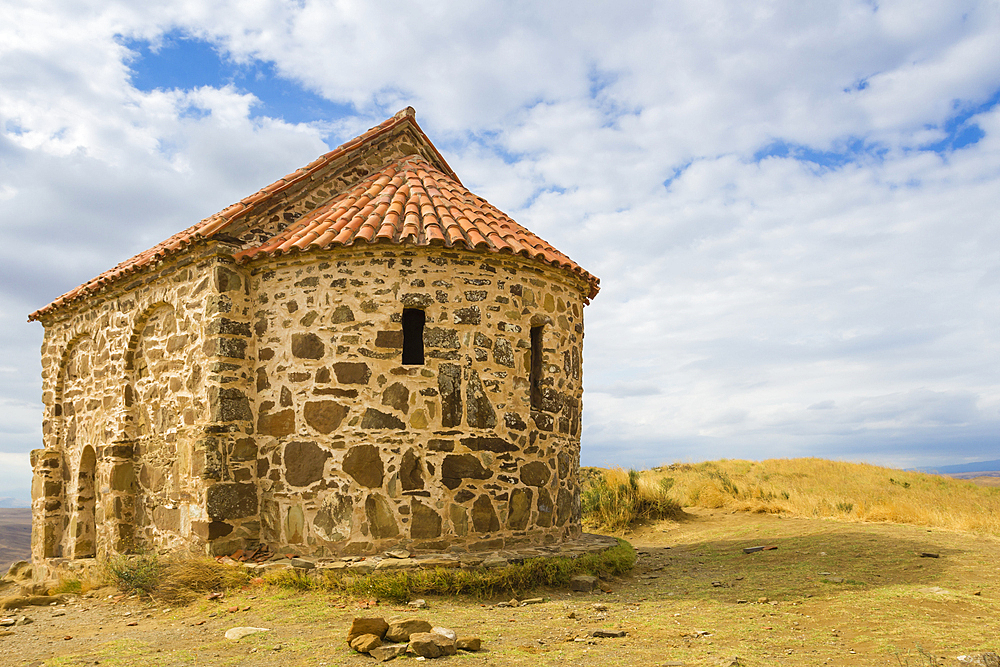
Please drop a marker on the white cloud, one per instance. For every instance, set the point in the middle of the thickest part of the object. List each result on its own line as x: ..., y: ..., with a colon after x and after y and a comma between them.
x: 15, y: 479
x: 751, y: 308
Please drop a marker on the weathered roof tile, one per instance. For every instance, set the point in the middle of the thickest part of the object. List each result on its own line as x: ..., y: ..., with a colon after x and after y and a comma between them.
x: 427, y: 206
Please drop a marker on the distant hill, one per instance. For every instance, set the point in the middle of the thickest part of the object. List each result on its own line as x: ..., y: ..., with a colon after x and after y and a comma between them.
x: 13, y: 502
x: 979, y: 466
x: 15, y: 537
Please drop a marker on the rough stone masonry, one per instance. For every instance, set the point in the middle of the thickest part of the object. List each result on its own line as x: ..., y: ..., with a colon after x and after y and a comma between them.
x: 361, y: 356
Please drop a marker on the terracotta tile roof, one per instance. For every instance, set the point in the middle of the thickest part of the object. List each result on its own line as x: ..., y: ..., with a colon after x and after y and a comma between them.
x: 411, y: 201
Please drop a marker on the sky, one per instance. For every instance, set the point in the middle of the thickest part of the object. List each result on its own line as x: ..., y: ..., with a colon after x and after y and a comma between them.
x: 793, y: 207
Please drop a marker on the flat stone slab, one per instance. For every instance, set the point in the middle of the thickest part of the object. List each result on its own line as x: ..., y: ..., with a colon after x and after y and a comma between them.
x: 236, y: 634
x: 388, y: 651
x: 607, y: 634
x: 398, y: 564
x: 396, y: 559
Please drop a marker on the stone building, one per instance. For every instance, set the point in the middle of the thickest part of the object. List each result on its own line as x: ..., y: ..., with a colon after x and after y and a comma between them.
x: 363, y: 354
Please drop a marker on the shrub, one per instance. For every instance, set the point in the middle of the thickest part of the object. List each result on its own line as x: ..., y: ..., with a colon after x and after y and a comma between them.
x: 617, y: 500
x: 134, y: 573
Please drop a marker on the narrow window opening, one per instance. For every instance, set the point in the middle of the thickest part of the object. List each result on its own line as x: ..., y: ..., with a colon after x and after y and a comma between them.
x: 535, y: 373
x: 413, y: 336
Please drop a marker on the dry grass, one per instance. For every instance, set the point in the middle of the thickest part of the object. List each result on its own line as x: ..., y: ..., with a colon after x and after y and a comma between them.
x: 176, y: 578
x: 619, y: 498
x: 824, y: 489
x: 186, y: 577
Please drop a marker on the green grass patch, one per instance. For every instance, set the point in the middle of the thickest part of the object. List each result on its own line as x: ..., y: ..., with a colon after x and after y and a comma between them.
x: 515, y: 579
x: 134, y: 573
x: 73, y: 586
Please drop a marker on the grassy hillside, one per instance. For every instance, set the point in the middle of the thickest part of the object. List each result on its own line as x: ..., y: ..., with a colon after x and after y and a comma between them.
x: 817, y: 488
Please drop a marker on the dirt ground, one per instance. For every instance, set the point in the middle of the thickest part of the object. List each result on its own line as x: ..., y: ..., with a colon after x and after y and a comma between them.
x: 829, y: 594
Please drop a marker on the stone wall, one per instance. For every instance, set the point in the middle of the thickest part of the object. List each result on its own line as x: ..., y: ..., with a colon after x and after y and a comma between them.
x: 210, y: 406
x: 358, y: 451
x: 126, y: 385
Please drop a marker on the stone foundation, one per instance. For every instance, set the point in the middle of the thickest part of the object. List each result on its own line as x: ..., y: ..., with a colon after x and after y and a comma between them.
x: 57, y: 569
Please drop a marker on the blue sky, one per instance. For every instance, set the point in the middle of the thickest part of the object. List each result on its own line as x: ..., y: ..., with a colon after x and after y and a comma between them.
x: 177, y: 60
x: 792, y: 207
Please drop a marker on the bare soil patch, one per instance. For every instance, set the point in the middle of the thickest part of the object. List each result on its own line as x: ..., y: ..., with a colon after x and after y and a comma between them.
x: 830, y: 594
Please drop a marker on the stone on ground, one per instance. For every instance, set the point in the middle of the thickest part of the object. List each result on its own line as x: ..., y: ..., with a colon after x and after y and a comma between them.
x: 583, y: 583
x: 37, y: 588
x: 431, y: 645
x: 469, y: 644
x: 607, y: 634
x: 367, y: 626
x: 400, y: 630
x: 388, y: 652
x: 445, y: 632
x: 19, y: 571
x: 365, y: 643
x: 398, y: 564
x: 495, y: 561
x: 18, y: 601
x: 235, y: 634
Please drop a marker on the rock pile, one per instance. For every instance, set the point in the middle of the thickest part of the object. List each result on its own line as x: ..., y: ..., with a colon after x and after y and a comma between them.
x: 385, y: 640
